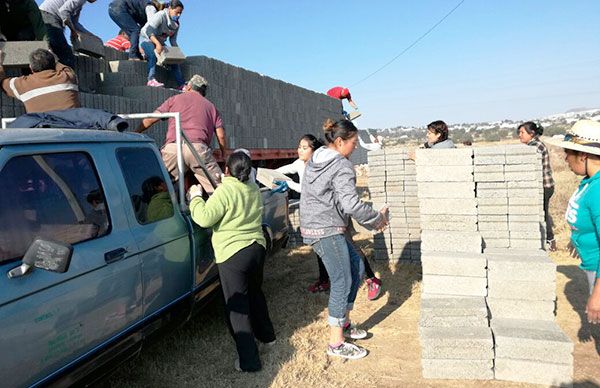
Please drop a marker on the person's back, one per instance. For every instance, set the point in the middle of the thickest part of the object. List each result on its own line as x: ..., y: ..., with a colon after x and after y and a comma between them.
x: 52, y: 86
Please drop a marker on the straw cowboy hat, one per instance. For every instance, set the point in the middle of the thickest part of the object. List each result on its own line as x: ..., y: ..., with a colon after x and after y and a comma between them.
x: 584, y: 136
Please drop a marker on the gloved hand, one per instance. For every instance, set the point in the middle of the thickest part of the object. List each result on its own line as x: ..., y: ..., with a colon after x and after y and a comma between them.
x: 280, y: 187
x: 194, y: 191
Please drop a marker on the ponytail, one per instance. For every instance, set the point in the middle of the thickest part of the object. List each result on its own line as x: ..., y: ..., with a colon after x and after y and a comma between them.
x: 343, y: 129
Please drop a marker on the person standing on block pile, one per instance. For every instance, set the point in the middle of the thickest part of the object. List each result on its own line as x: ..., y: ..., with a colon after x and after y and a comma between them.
x: 120, y: 42
x: 529, y: 133
x: 51, y: 86
x: 160, y: 26
x: 582, y: 154
x: 131, y: 16
x: 341, y: 93
x: 56, y: 15
x: 200, y: 121
x: 234, y: 212
x: 328, y: 201
x: 21, y: 20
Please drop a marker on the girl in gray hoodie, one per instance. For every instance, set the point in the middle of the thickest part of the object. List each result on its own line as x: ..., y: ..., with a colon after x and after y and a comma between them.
x: 328, y: 201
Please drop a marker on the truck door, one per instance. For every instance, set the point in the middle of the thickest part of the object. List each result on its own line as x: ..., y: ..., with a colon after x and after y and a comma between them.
x: 51, y: 320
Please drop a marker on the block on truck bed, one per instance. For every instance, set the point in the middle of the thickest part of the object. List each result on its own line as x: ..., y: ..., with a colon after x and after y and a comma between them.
x: 17, y: 53
x: 170, y: 56
x: 267, y: 176
x: 89, y: 44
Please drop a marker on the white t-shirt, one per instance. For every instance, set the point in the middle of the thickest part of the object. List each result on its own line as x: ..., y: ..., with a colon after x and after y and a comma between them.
x: 294, y: 168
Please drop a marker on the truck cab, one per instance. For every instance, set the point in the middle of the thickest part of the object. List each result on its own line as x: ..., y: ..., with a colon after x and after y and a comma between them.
x: 136, y: 261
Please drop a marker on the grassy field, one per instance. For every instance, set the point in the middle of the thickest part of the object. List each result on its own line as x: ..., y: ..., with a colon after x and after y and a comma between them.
x: 201, y: 354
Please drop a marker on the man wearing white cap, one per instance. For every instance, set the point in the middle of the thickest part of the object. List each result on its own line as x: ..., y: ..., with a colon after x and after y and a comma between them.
x: 200, y: 121
x: 582, y: 154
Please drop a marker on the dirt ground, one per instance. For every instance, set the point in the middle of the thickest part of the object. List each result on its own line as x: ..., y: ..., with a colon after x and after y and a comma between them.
x: 202, y: 354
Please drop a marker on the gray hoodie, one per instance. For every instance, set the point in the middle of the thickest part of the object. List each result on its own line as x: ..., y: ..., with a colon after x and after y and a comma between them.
x: 442, y: 144
x: 162, y: 27
x: 329, y: 197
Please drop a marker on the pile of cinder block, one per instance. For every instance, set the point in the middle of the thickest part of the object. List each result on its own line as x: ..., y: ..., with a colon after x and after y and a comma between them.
x: 392, y: 181
x: 510, y: 196
x: 456, y: 339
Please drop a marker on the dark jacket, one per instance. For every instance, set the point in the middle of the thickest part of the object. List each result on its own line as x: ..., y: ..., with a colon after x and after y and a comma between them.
x: 78, y: 118
x: 21, y: 20
x: 135, y: 8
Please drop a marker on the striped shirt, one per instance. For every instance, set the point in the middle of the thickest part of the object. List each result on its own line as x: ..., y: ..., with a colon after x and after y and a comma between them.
x: 119, y: 43
x: 546, y: 168
x: 45, y: 90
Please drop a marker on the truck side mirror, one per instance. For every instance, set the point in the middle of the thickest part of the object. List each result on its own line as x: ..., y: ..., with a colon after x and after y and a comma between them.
x: 44, y: 254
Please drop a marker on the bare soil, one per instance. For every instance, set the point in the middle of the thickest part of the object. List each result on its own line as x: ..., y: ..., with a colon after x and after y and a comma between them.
x: 202, y: 354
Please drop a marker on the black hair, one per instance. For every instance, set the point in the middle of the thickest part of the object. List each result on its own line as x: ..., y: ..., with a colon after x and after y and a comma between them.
x: 176, y: 3
x: 149, y: 187
x: 41, y: 60
x: 240, y: 166
x: 531, y: 128
x: 343, y: 129
x: 440, y: 127
x: 312, y: 141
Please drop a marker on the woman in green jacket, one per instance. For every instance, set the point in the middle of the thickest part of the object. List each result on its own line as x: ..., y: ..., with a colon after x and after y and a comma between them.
x: 234, y: 212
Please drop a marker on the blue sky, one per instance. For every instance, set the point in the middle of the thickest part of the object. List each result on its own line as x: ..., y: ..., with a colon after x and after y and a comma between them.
x: 517, y: 59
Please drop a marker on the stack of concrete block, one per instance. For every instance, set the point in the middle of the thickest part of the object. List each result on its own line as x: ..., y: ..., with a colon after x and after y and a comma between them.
x: 392, y: 181
x: 171, y: 56
x: 509, y: 196
x: 17, y: 53
x: 89, y: 44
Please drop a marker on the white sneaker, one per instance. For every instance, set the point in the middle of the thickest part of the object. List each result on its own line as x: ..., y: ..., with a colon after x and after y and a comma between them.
x: 354, y: 332
x: 347, y: 350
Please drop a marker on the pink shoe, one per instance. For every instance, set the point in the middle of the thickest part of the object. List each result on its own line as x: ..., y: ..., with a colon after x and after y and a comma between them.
x: 374, y: 287
x: 154, y: 83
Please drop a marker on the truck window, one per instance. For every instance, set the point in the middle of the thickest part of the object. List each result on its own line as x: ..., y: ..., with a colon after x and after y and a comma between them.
x: 146, y: 184
x: 54, y: 196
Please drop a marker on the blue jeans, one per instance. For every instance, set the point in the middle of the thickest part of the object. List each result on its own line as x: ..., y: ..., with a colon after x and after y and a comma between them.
x: 56, y: 39
x: 128, y: 24
x: 343, y: 265
x: 148, y: 48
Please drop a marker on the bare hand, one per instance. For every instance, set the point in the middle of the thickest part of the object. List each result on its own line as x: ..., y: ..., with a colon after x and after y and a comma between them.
x: 194, y: 191
x: 385, y: 213
x: 158, y: 49
x: 593, y: 308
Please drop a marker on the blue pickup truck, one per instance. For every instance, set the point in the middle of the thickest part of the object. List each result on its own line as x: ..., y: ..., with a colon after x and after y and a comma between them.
x: 90, y: 267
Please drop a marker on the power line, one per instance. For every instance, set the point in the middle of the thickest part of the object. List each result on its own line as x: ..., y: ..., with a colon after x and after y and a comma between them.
x: 411, y: 45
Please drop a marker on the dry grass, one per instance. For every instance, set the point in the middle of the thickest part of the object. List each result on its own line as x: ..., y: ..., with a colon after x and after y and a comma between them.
x: 202, y: 354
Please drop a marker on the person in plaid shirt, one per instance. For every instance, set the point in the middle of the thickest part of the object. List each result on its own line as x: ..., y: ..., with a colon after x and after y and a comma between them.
x: 529, y: 133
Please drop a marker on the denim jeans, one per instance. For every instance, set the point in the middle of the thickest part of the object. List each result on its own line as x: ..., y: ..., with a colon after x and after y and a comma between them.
x: 148, y: 48
x: 129, y: 25
x: 56, y: 39
x: 343, y: 265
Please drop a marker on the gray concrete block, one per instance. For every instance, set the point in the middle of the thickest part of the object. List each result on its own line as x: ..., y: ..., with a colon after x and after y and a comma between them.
x: 454, y: 285
x: 491, y: 201
x: 519, y: 149
x: 171, y: 56
x: 495, y: 234
x: 492, y: 193
x: 516, y: 218
x: 89, y: 44
x: 489, y: 176
x: 491, y: 185
x: 492, y: 226
x: 457, y: 369
x: 525, y: 266
x: 488, y: 168
x: 492, y: 218
x: 17, y: 53
x: 526, y: 243
x: 525, y: 290
x: 464, y: 343
x: 448, y: 174
x: 453, y: 305
x: 449, y: 226
x: 493, y: 150
x: 526, y: 167
x: 526, y: 194
x: 446, y: 189
x: 518, y: 209
x: 524, y: 184
x: 444, y: 157
x: 492, y: 210
x: 522, y: 176
x: 430, y: 319
x: 489, y: 159
x: 496, y: 243
x: 445, y: 241
x: 531, y: 340
x: 451, y: 206
x: 525, y: 228
x: 447, y: 218
x: 542, y: 310
x: 522, y: 159
x: 535, y: 372
x: 454, y: 264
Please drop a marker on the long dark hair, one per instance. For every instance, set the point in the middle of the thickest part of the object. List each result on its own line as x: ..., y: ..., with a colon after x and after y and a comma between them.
x: 312, y: 141
x: 341, y: 128
x: 531, y: 128
x: 239, y: 165
x: 439, y: 127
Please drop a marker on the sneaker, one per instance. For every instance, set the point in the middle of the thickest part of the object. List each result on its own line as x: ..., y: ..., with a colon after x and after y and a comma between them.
x: 346, y: 350
x: 374, y: 287
x: 353, y: 332
x: 551, y: 245
x: 319, y: 286
x: 154, y: 83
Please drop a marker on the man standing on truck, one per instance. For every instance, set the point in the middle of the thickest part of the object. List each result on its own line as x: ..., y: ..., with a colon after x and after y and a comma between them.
x: 200, y: 120
x: 52, y: 86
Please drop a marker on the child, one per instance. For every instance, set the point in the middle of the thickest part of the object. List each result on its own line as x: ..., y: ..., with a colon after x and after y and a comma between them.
x: 119, y: 42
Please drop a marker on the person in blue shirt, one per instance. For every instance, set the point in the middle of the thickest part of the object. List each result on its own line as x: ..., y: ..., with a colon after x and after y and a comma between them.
x: 582, y: 154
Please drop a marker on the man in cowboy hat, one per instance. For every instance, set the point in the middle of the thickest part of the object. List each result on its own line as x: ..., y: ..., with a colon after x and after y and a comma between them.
x: 582, y: 154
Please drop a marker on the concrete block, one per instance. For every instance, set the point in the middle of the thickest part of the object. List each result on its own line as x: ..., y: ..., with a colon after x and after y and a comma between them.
x: 89, y: 44
x: 526, y: 194
x: 531, y: 340
x: 492, y: 226
x: 489, y: 176
x: 534, y: 372
x: 447, y: 218
x: 522, y: 289
x: 457, y: 369
x: 447, y: 174
x: 431, y: 319
x: 451, y: 206
x: 446, y: 189
x: 491, y: 185
x: 524, y: 184
x: 454, y: 305
x: 518, y: 209
x: 125, y: 66
x: 519, y: 149
x: 491, y: 218
x: 495, y: 234
x: 526, y: 243
x: 496, y: 243
x: 499, y: 201
x: 522, y: 159
x: 433, y: 241
x: 454, y: 264
x: 473, y: 342
x: 522, y: 176
x: 488, y: 168
x: 524, y: 228
x: 516, y: 218
x: 454, y: 285
x: 449, y: 226
x: 526, y: 266
x: 17, y: 53
x: 491, y: 210
x: 444, y: 157
x: 492, y: 193
x: 542, y: 310
x: 489, y: 159
x: 523, y: 167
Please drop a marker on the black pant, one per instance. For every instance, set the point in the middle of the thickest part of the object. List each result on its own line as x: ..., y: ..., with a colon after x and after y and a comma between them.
x: 246, y: 308
x: 548, y: 193
x: 57, y: 41
x: 324, y: 277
